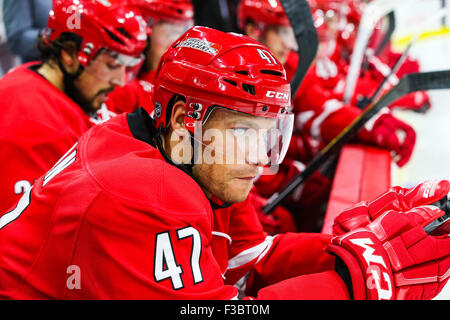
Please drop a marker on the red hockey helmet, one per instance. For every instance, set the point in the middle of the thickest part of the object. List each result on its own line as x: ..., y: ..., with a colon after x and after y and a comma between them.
x: 267, y: 12
x: 210, y: 69
x: 342, y: 17
x: 175, y: 11
x: 102, y: 24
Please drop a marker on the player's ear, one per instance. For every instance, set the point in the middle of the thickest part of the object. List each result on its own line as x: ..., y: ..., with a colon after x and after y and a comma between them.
x: 252, y: 30
x: 178, y: 114
x: 179, y: 139
x: 69, y: 59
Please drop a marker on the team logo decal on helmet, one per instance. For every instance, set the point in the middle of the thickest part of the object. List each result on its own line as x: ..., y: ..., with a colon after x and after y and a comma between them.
x: 200, y: 44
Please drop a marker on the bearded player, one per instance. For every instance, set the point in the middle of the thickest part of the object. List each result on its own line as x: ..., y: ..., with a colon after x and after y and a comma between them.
x: 47, y: 105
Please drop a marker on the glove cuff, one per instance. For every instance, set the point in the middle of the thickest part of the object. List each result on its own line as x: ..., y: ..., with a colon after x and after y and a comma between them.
x: 368, y: 264
x: 349, y: 270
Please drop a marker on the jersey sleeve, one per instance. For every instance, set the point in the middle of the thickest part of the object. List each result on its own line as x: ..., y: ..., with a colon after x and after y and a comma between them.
x: 124, y: 99
x: 327, y: 121
x: 171, y: 258
x: 258, y: 261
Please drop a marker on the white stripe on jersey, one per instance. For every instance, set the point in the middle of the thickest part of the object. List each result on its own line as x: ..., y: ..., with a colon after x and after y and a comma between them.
x: 256, y: 252
x: 221, y: 234
x: 330, y: 107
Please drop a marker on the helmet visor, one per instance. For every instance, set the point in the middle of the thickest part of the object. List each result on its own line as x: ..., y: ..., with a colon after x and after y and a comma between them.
x: 114, y: 67
x: 240, y: 137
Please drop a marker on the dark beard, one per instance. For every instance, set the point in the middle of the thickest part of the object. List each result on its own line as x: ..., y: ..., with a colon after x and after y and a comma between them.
x: 73, y: 92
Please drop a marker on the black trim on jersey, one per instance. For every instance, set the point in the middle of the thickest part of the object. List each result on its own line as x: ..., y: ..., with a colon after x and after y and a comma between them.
x: 142, y: 128
x: 35, y: 68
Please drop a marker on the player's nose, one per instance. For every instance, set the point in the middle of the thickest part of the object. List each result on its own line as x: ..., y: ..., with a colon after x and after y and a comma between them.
x: 118, y: 77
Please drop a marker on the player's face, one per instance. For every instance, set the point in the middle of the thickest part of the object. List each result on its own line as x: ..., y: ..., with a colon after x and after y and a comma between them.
x: 164, y: 33
x: 235, y: 164
x: 280, y: 40
x: 99, y: 78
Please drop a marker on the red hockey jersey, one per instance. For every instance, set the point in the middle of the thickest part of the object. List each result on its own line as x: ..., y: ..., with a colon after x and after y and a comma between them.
x: 135, y: 94
x: 37, y: 125
x: 113, y: 220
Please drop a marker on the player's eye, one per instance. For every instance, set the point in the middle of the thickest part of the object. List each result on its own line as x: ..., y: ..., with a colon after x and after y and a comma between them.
x: 239, y: 131
x: 113, y: 65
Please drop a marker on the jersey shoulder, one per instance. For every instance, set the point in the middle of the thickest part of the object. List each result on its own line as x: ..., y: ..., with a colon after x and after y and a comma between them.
x: 134, y: 171
x: 32, y: 101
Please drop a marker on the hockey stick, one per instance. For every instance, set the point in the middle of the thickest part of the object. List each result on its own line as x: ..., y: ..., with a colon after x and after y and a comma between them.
x: 300, y: 17
x: 410, y: 83
x: 373, y: 12
x: 366, y: 101
x: 384, y: 42
x: 388, y: 35
x: 364, y: 33
x: 433, y: 226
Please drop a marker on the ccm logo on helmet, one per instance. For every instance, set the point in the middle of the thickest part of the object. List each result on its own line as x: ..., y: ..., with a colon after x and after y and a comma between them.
x: 277, y: 95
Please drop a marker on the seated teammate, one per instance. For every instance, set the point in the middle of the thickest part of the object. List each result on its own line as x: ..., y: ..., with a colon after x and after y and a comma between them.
x: 47, y: 105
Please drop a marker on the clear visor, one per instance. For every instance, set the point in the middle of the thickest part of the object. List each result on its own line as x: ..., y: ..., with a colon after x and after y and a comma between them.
x: 236, y: 138
x: 114, y: 67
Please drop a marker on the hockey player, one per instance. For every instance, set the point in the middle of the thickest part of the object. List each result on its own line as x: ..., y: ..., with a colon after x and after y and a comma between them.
x: 157, y: 208
x: 167, y: 20
x: 47, y: 105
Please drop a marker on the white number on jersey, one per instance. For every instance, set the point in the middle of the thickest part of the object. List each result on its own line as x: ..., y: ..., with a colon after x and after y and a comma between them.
x: 23, y: 203
x: 196, y: 251
x: 21, y: 186
x: 26, y: 187
x: 166, y: 267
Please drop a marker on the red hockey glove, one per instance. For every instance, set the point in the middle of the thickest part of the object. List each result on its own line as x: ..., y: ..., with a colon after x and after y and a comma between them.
x: 397, y: 198
x: 384, y: 132
x: 416, y: 101
x: 278, y: 221
x: 393, y: 257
